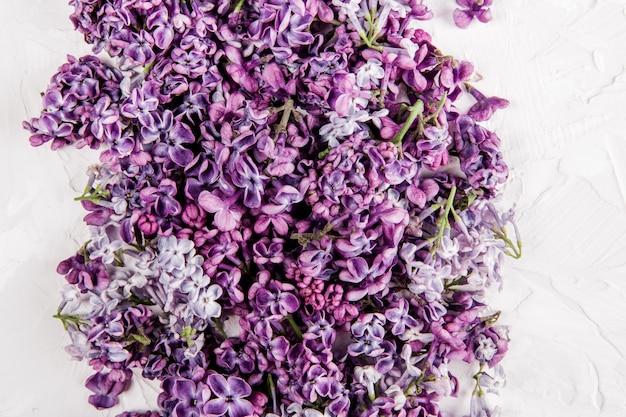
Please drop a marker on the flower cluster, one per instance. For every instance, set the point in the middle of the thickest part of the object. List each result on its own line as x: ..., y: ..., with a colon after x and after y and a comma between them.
x: 292, y: 214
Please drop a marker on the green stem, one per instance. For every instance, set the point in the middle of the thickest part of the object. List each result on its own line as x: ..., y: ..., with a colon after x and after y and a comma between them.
x: 416, y: 111
x: 68, y: 319
x: 148, y: 67
x: 286, y: 108
x: 305, y: 238
x: 512, y: 250
x: 478, y: 389
x: 295, y: 327
x: 272, y: 389
x: 239, y: 6
x: 444, y: 221
x: 440, y: 105
x: 220, y: 328
x: 93, y: 194
x: 417, y: 381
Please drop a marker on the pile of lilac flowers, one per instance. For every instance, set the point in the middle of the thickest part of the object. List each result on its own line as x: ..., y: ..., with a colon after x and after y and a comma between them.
x: 291, y: 217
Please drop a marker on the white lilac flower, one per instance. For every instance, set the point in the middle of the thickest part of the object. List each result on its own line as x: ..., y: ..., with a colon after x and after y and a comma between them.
x: 426, y: 280
x: 101, y: 247
x: 485, y: 348
x: 194, y: 283
x: 492, y: 382
x: 206, y: 306
x: 75, y: 302
x: 412, y: 334
x: 80, y: 347
x: 351, y: 8
x: 370, y: 73
x: 410, y: 361
x: 399, y: 399
x: 367, y: 376
x: 127, y: 279
x: 172, y: 253
x: 448, y: 248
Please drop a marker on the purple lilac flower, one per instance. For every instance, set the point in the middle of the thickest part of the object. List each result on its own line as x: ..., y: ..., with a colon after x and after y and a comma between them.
x: 471, y: 9
x: 230, y: 396
x: 290, y: 195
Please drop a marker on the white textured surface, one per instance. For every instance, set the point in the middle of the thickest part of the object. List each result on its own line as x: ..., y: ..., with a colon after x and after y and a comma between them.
x: 561, y: 63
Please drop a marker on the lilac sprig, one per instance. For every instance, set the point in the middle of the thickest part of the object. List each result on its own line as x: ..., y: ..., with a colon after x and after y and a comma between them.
x: 292, y: 214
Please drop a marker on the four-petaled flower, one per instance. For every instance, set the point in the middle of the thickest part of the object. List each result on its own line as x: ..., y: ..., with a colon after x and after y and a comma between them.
x: 230, y: 397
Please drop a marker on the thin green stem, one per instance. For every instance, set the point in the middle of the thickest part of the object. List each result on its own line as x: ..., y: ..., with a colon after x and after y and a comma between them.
x: 295, y: 327
x: 513, y: 250
x: 440, y: 105
x: 68, y: 319
x: 239, y: 6
x: 272, y: 389
x: 444, y: 221
x: 415, y: 112
x: 305, y: 238
x: 220, y: 328
x: 286, y: 108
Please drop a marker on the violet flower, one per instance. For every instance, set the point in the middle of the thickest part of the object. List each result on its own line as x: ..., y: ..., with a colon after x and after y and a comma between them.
x: 230, y: 396
x: 471, y: 9
x: 106, y: 390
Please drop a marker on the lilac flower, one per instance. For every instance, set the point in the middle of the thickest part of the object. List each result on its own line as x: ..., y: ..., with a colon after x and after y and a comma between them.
x: 101, y: 247
x: 493, y: 382
x: 105, y: 389
x: 229, y: 358
x: 292, y: 186
x: 183, y: 397
x: 315, y: 383
x: 480, y: 407
x: 227, y: 215
x: 163, y: 198
x: 139, y: 105
x: 478, y: 9
x: 278, y: 298
x: 48, y: 128
x: 139, y: 48
x: 247, y: 177
x: 161, y: 26
x: 367, y: 376
x: 400, y: 317
x: 484, y: 107
x: 173, y: 252
x: 103, y: 115
x: 206, y: 306
x: 370, y: 73
x: 172, y: 136
x: 230, y: 396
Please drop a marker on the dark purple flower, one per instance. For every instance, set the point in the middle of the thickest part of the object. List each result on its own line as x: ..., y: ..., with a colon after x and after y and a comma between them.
x: 230, y: 396
x: 278, y: 297
x: 162, y: 29
x: 184, y: 397
x: 163, y: 198
x: 170, y: 136
x: 139, y: 48
x: 315, y: 383
x: 246, y: 176
x: 230, y: 357
x: 106, y: 390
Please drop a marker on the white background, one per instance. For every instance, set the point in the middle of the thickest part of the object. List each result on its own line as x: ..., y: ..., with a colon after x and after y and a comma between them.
x: 561, y: 63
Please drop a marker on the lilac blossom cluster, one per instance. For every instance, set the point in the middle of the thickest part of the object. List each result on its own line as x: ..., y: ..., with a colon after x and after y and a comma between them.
x: 292, y: 215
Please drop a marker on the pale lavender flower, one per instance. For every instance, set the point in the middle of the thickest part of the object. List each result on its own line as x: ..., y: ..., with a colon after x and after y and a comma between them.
x: 206, y: 306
